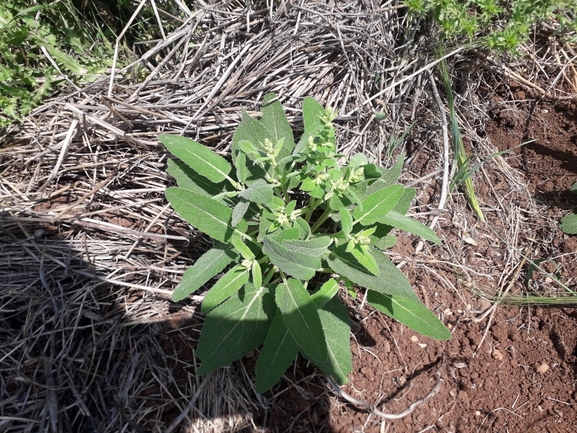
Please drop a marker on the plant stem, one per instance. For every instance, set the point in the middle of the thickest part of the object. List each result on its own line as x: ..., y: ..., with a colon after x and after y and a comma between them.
x: 327, y: 213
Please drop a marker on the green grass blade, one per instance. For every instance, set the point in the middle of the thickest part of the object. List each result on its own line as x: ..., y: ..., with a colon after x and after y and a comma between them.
x: 458, y: 147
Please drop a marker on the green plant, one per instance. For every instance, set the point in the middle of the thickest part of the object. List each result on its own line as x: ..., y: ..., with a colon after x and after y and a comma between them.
x: 41, y: 44
x: 463, y: 170
x: 292, y: 223
x: 569, y: 222
x: 495, y: 24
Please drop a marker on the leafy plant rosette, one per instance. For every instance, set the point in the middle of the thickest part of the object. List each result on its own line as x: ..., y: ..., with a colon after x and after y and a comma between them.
x: 292, y: 223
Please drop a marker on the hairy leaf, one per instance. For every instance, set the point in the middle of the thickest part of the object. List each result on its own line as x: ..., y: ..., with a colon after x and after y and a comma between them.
x: 569, y: 224
x: 207, y: 266
x: 304, y: 228
x: 295, y: 263
x: 312, y: 113
x: 259, y: 192
x: 240, y: 165
x: 314, y: 246
x: 327, y: 291
x: 336, y: 325
x: 390, y: 281
x: 227, y: 285
x: 410, y: 312
x: 239, y: 211
x: 391, y: 175
x: 346, y: 221
x: 198, y: 157
x: 275, y: 121
x: 404, y: 203
x: 235, y: 327
x: 365, y: 258
x: 187, y: 178
x: 400, y: 221
x: 301, y: 318
x: 378, y: 204
x: 203, y: 213
x: 278, y: 352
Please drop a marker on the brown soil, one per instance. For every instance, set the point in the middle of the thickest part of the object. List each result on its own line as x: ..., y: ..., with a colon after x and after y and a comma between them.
x: 513, y: 370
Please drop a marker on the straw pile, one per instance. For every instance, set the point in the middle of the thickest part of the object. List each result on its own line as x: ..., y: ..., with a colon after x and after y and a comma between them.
x: 89, y: 249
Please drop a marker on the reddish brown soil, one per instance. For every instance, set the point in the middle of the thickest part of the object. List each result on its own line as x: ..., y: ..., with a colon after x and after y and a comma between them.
x: 513, y: 372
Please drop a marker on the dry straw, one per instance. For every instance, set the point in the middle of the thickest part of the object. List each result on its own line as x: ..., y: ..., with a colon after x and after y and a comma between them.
x: 89, y: 250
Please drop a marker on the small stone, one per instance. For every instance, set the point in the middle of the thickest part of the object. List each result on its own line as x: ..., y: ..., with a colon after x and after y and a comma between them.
x: 484, y: 305
x: 542, y: 368
x: 496, y: 354
x: 414, y: 339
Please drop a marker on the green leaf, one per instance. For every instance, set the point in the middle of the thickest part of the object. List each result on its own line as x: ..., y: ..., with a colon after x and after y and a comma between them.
x: 267, y: 219
x: 275, y: 121
x: 253, y: 171
x: 198, y: 157
x: 400, y: 221
x: 372, y: 172
x: 207, y: 266
x: 304, y: 228
x: 256, y: 274
x: 189, y: 179
x: 312, y: 113
x: 365, y: 258
x: 404, y: 203
x: 314, y: 247
x: 227, y: 285
x: 384, y: 243
x: 239, y: 212
x: 391, y: 280
x: 412, y: 313
x: 67, y: 61
x: 301, y: 318
x: 278, y: 352
x: 240, y: 165
x: 250, y: 130
x: 327, y: 291
x: 376, y: 205
x: 346, y: 221
x: 235, y: 327
x: 295, y: 263
x: 259, y: 192
x: 247, y: 148
x: 336, y: 326
x: 391, y: 175
x: 358, y: 160
x: 569, y: 224
x: 291, y: 234
x: 242, y: 248
x: 203, y: 213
